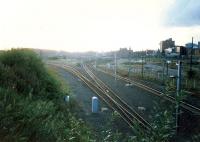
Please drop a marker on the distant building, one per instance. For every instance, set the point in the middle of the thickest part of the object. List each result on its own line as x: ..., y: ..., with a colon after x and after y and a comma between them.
x: 125, y: 53
x: 181, y: 50
x: 199, y: 44
x: 169, y: 43
x: 189, y: 45
x: 139, y: 53
x: 150, y: 52
x: 195, y: 50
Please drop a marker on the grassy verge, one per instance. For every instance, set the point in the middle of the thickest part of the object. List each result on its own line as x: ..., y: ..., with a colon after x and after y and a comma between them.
x: 31, y: 102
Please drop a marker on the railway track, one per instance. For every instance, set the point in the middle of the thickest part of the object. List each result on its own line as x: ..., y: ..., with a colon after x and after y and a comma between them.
x: 129, y: 115
x: 183, y: 104
x: 112, y: 94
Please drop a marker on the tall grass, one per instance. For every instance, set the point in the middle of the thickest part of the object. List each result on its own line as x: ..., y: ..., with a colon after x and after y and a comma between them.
x: 31, y: 106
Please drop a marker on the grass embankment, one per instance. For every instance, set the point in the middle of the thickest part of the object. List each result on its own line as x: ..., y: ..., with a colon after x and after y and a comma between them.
x: 31, y: 102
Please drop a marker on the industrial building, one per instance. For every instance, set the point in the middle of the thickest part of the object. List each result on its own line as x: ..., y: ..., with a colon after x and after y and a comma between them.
x: 169, y: 43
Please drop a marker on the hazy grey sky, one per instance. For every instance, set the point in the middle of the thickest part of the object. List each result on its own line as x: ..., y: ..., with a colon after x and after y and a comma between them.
x: 183, y: 13
x: 98, y: 25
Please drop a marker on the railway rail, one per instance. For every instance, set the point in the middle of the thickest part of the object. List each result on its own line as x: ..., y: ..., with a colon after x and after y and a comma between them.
x: 183, y: 104
x: 129, y: 115
x: 110, y: 92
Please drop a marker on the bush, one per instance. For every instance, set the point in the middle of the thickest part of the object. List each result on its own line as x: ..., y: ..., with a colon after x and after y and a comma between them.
x: 31, y: 102
x: 22, y: 119
x: 23, y: 71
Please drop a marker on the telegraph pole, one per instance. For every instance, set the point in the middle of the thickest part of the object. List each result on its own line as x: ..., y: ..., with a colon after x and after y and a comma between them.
x: 40, y: 53
x: 163, y: 73
x: 191, y: 57
x: 95, y: 61
x: 129, y: 59
x: 178, y: 88
x: 167, y: 69
x: 142, y: 67
x: 191, y: 73
x: 115, y: 65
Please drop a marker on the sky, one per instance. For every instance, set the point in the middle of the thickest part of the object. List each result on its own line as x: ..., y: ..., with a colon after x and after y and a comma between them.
x: 97, y: 25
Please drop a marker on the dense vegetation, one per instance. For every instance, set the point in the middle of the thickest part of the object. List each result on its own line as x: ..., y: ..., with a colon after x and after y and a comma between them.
x: 31, y: 102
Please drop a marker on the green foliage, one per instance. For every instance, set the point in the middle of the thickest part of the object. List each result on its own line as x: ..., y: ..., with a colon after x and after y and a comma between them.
x: 163, y: 121
x: 130, y: 63
x: 31, y: 102
x: 170, y: 85
x: 191, y: 74
x: 103, y: 61
x: 196, y: 138
x: 111, y: 131
x: 28, y: 120
x: 23, y: 71
x: 162, y: 127
x: 53, y: 58
x: 110, y: 136
x: 61, y: 82
x: 78, y: 64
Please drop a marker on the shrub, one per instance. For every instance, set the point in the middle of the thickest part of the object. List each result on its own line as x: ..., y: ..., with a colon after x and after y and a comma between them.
x: 22, y: 70
x: 31, y: 105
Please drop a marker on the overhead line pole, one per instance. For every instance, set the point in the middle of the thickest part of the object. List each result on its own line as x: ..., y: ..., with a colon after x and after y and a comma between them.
x: 115, y: 65
x: 178, y: 94
x: 191, y: 57
x: 95, y: 61
x: 142, y: 68
x: 129, y: 59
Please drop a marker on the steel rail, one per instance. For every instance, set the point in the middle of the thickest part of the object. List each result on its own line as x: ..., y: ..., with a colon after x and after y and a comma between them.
x: 110, y: 92
x: 127, y: 116
x: 183, y: 104
x: 108, y: 100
